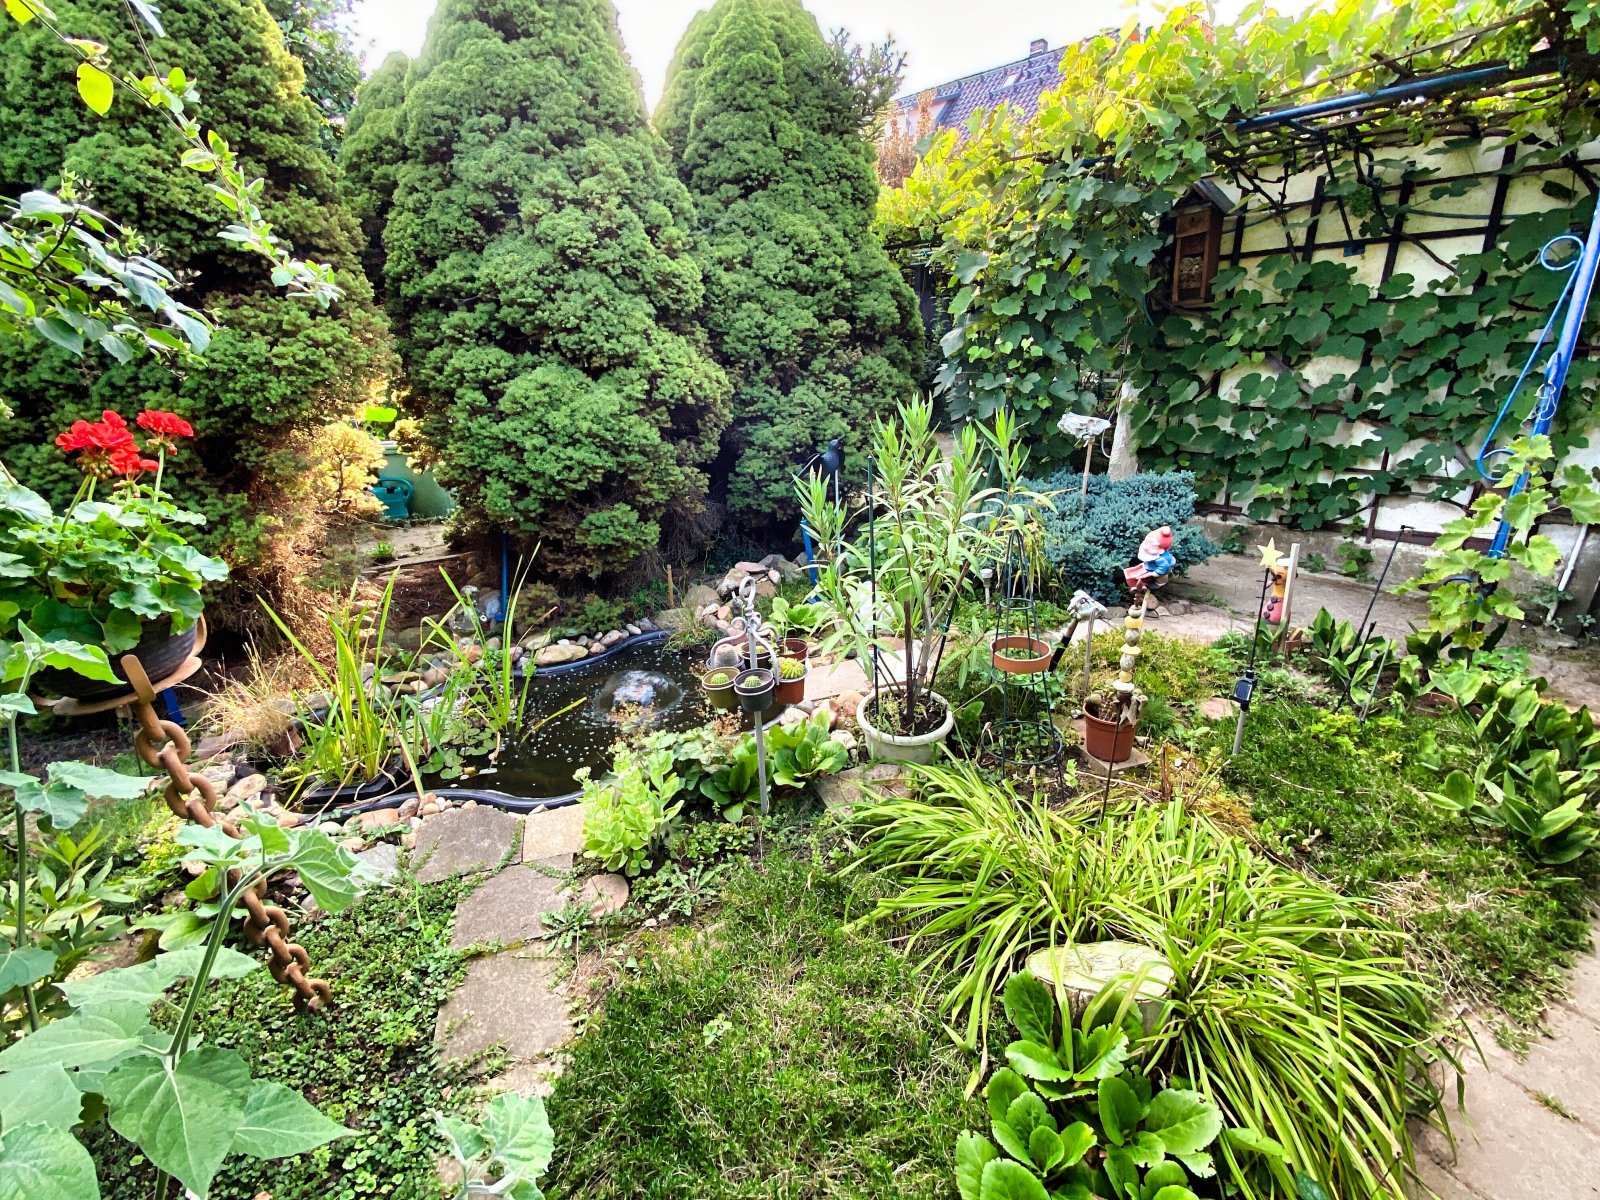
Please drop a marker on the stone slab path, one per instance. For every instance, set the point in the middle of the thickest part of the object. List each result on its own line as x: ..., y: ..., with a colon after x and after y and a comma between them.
x: 463, y: 841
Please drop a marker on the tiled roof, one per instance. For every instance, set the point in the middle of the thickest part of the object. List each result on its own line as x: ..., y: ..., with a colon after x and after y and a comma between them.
x: 1017, y: 83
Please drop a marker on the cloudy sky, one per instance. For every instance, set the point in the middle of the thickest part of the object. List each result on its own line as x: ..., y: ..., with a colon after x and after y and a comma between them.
x: 945, y: 39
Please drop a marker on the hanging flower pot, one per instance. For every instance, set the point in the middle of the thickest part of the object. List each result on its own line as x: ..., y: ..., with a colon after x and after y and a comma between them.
x: 795, y: 648
x: 739, y: 644
x: 1020, y: 654
x: 791, y: 687
x: 160, y: 651
x: 718, y: 687
x: 754, y: 688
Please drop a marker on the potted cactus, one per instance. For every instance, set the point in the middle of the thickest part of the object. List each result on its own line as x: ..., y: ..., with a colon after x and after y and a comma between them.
x: 754, y: 688
x: 717, y: 684
x: 792, y: 672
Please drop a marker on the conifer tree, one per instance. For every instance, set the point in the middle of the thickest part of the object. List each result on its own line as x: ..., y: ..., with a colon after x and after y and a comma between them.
x: 371, y: 155
x: 540, y: 273
x: 815, y: 326
x: 275, y: 366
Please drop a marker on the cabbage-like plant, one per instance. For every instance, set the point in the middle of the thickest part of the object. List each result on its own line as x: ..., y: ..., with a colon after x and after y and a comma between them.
x: 803, y: 751
x: 625, y: 815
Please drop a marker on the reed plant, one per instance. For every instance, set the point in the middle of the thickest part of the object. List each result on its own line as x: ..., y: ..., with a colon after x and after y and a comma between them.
x: 1292, y: 1009
x: 499, y: 692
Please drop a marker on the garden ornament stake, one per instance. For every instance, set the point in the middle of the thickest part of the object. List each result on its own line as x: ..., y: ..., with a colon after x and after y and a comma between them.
x: 1086, y: 429
x: 753, y: 641
x: 1081, y: 608
x: 1366, y: 623
x: 1244, y: 688
x: 1155, y: 564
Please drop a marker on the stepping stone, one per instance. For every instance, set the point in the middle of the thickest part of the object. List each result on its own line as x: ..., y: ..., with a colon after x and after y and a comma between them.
x: 1584, y: 983
x: 1216, y: 708
x: 846, y: 675
x: 509, y: 1000
x: 1563, y: 1066
x: 507, y: 910
x: 840, y: 792
x: 553, y: 832
x: 603, y: 894
x: 383, y: 860
x: 463, y: 841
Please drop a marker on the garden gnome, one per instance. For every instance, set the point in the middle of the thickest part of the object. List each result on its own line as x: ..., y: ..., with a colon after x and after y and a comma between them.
x: 1156, y: 563
x: 1156, y: 560
x: 1272, y: 611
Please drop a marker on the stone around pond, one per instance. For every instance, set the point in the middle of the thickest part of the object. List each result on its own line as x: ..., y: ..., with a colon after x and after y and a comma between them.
x: 508, y: 910
x: 551, y: 656
x: 553, y: 832
x: 511, y: 1000
x: 463, y: 841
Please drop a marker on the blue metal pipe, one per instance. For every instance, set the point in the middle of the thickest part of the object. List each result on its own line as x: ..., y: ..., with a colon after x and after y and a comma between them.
x: 1449, y: 81
x: 1555, y: 376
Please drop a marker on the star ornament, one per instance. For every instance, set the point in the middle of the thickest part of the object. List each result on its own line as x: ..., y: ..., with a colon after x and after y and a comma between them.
x: 1271, y: 556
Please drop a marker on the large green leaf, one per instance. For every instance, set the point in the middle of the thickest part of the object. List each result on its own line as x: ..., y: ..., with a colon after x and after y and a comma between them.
x: 39, y: 1096
x: 326, y: 869
x: 183, y: 1118
x: 520, y: 1132
x: 23, y: 966
x: 278, y: 1122
x: 98, y: 783
x: 1031, y: 1008
x: 144, y: 983
x: 1120, y: 1109
x: 1005, y: 1180
x: 973, y: 1153
x: 1035, y: 1061
x: 1185, y: 1121
x: 79, y: 1040
x: 1004, y: 1086
x: 38, y: 1162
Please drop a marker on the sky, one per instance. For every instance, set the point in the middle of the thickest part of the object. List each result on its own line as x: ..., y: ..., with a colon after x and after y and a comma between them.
x: 945, y: 39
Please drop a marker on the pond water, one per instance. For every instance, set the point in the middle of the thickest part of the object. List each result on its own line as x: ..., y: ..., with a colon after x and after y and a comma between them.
x: 645, y: 682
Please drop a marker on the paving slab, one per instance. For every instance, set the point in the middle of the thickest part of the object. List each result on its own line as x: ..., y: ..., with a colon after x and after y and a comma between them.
x: 553, y: 832
x: 846, y: 675
x: 1436, y: 1181
x: 841, y: 791
x: 1564, y: 1066
x: 1584, y: 984
x: 383, y: 860
x: 507, y: 910
x: 510, y: 999
x: 1511, y: 1147
x: 463, y: 841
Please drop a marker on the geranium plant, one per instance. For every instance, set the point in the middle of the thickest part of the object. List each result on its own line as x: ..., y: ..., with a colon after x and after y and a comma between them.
x: 115, y: 559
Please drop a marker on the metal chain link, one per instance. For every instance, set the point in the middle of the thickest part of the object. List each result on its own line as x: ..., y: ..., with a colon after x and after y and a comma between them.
x: 165, y: 745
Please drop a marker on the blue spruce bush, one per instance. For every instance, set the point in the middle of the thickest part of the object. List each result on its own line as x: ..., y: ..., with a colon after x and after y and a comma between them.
x: 1089, y: 546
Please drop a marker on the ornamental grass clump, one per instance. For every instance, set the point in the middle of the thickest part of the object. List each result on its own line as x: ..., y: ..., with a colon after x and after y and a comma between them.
x: 1292, y: 1011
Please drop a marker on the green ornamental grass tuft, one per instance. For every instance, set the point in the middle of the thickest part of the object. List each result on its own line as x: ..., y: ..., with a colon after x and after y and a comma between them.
x: 1293, y: 1012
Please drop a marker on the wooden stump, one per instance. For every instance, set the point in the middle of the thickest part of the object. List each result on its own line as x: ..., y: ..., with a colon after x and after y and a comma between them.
x: 1082, y: 970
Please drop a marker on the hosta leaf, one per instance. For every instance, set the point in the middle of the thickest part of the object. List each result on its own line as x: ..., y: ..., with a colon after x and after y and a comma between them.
x: 1185, y: 1121
x: 279, y: 1122
x: 39, y: 1096
x: 1004, y: 1180
x: 183, y: 1118
x: 38, y: 1162
x: 973, y: 1153
x: 520, y: 1132
x: 1031, y: 1008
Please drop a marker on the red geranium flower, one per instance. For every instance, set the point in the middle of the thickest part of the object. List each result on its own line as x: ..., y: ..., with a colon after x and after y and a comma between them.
x: 127, y: 461
x: 101, y: 442
x: 169, y: 424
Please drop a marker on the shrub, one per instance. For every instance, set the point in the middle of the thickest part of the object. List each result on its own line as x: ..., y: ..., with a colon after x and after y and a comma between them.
x: 816, y: 327
x: 623, y: 819
x: 338, y: 464
x: 539, y: 272
x: 1089, y: 546
x: 1276, y: 976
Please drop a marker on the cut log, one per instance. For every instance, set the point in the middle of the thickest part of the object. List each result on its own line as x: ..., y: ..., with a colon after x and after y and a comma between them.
x: 1083, y: 970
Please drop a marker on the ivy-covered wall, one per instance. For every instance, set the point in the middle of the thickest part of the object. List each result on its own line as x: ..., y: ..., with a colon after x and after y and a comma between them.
x: 1370, y: 317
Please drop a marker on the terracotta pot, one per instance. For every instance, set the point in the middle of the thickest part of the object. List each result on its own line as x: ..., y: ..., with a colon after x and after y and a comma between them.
x: 795, y: 648
x: 754, y: 688
x: 720, y: 695
x: 912, y: 748
x: 790, y: 691
x: 161, y: 652
x: 1019, y: 654
x: 1109, y: 741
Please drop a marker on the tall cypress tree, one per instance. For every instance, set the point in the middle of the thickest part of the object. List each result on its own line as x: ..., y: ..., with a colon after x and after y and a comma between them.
x: 372, y: 153
x: 540, y: 274
x: 814, y: 325
x: 276, y: 366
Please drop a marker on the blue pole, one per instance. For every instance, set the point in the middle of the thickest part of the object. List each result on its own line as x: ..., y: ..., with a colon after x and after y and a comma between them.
x: 505, y: 587
x: 1555, y: 376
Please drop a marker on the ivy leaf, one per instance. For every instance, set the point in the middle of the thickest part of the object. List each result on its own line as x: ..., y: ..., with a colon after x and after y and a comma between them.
x: 279, y: 1122
x: 1004, y: 1180
x: 38, y: 1162
x: 96, y: 88
x: 973, y: 1153
x: 182, y: 1117
x: 40, y: 1096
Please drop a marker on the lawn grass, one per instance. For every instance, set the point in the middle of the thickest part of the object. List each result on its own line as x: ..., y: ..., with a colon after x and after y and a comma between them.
x: 769, y: 1054
x: 1343, y: 800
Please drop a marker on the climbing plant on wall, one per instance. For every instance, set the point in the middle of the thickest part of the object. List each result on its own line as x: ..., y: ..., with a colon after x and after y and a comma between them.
x: 1051, y: 234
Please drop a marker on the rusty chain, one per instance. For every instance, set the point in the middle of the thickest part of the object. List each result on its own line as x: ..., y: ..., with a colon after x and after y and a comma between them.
x: 165, y: 745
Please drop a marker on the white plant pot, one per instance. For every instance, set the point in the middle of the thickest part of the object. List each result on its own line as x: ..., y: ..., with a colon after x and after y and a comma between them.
x: 918, y: 748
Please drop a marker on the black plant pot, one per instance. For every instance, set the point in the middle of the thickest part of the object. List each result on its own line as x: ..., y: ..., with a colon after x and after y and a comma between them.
x: 754, y: 688
x: 161, y: 652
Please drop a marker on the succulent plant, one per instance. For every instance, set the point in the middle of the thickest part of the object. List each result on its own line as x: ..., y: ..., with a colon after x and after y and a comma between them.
x: 719, y: 679
x: 791, y: 668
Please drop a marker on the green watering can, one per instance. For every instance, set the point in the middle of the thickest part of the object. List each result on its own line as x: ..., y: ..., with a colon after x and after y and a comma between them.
x: 395, y: 496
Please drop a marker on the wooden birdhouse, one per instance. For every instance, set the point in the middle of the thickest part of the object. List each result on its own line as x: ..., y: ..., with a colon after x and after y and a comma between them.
x: 1197, y: 244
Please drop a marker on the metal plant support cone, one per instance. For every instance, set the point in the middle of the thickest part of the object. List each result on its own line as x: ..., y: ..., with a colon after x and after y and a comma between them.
x: 1025, y: 735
